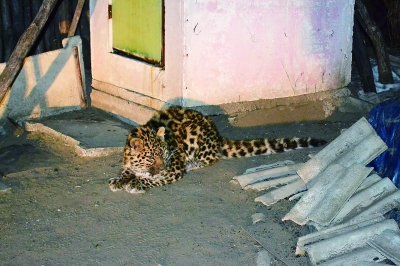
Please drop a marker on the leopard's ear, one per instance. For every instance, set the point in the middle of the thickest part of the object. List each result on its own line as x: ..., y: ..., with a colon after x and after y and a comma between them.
x: 161, y: 132
x: 136, y: 144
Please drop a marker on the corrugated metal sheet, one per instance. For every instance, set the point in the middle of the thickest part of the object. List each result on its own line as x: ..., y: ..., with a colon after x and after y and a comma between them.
x: 364, y: 199
x: 322, y: 202
x: 341, y: 200
x: 327, y: 233
x: 388, y: 243
x: 267, y: 172
x: 281, y: 174
x: 345, y: 242
x: 358, y: 144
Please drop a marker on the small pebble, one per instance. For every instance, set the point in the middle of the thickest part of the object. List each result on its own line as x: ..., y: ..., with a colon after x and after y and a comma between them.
x: 263, y: 258
x: 258, y: 217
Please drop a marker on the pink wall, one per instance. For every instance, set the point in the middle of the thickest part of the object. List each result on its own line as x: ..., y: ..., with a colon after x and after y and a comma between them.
x: 225, y: 51
x: 255, y: 49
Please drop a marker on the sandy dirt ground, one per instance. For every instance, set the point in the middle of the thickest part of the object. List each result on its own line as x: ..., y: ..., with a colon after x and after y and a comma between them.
x: 59, y: 210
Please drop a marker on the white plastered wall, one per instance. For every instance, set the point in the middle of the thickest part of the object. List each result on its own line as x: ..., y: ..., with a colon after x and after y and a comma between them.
x: 219, y: 52
x: 246, y: 50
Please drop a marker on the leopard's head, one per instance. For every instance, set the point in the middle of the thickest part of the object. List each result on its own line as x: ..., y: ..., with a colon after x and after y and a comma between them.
x: 145, y: 150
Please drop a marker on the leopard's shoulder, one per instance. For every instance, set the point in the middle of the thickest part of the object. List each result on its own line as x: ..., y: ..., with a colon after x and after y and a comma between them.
x: 176, y: 114
x: 176, y: 120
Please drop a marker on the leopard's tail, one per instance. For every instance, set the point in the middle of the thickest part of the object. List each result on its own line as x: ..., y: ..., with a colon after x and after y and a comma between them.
x: 247, y: 148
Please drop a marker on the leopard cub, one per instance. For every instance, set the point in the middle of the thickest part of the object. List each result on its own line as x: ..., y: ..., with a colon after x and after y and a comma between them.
x: 177, y: 140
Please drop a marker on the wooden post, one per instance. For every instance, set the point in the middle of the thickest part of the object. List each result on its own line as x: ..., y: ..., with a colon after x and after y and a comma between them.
x: 362, y: 59
x: 24, y: 44
x: 84, y: 28
x: 76, y: 17
x: 75, y: 53
x: 384, y: 69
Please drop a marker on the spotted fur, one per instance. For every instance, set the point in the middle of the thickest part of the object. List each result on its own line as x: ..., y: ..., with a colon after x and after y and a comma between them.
x: 177, y: 140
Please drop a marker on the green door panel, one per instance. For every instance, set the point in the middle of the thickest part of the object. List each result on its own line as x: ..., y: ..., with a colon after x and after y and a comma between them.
x: 137, y: 27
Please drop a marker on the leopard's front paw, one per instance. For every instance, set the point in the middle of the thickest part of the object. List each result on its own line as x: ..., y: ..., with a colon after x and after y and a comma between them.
x: 115, y: 184
x: 134, y: 188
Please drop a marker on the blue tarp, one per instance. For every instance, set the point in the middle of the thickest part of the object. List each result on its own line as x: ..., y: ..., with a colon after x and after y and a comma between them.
x: 385, y: 119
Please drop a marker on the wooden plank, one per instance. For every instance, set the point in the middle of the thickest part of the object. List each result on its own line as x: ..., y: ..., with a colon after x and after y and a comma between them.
x: 384, y: 69
x: 362, y: 60
x: 76, y: 18
x: 24, y: 45
x: 78, y: 71
x: 84, y: 32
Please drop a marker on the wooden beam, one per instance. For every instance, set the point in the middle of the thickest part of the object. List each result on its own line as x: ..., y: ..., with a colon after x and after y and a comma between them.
x: 373, y: 31
x: 75, y: 53
x: 23, y: 47
x: 362, y: 59
x: 76, y: 17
